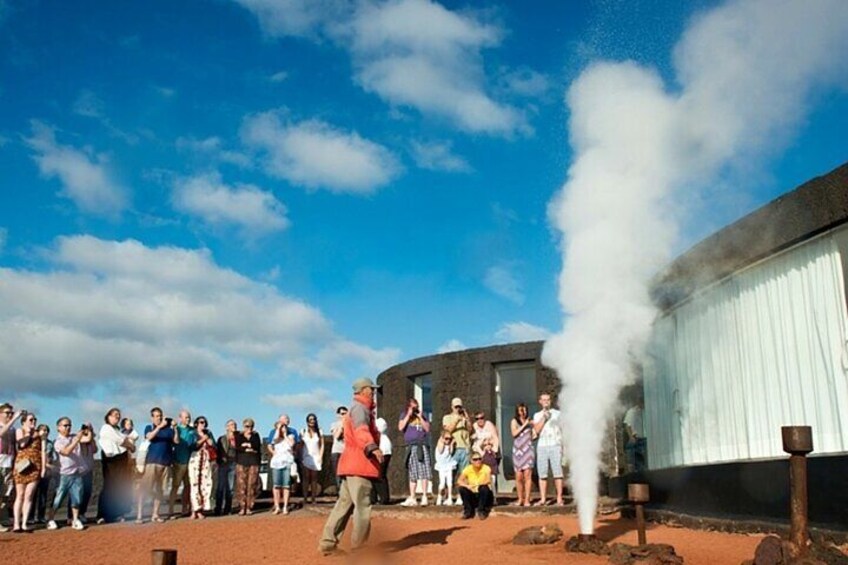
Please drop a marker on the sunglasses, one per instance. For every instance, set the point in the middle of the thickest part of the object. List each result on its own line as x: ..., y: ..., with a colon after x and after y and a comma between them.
x: 248, y: 426
x: 8, y: 412
x: 476, y: 458
x: 64, y: 425
x: 481, y: 417
x: 204, y: 422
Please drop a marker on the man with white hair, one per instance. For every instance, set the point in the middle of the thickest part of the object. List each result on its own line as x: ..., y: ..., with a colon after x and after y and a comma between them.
x: 185, y: 439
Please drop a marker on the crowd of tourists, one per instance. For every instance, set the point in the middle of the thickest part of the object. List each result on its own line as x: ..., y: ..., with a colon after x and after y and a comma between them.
x: 468, y: 454
x: 146, y: 467
x: 178, y: 461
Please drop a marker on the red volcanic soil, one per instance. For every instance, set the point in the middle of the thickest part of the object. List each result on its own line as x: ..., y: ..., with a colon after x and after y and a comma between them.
x: 397, y: 537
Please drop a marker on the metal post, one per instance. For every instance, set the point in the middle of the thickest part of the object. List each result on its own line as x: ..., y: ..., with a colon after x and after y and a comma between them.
x: 639, y: 494
x: 798, y: 442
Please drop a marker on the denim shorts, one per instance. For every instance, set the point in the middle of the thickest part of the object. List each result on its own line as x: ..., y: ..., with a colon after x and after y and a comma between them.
x: 70, y: 485
x: 281, y: 477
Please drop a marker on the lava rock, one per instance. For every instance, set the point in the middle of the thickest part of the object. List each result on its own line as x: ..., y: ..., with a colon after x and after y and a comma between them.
x: 775, y: 551
x: 586, y: 544
x: 538, y: 535
x: 648, y: 554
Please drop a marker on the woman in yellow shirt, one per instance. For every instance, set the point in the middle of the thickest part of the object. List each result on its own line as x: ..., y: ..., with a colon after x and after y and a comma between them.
x: 475, y: 488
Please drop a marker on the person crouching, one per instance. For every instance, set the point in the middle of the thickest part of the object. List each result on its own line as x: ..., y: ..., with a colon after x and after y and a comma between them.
x: 475, y: 488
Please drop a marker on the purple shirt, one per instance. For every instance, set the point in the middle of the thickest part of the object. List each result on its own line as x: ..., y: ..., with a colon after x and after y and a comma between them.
x: 73, y: 463
x: 414, y: 433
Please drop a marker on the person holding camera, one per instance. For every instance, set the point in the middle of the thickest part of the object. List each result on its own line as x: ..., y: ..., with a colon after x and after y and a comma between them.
x: 30, y: 467
x: 88, y: 449
x: 459, y: 426
x: 115, y: 449
x: 248, y: 459
x: 200, y: 467
x: 416, y: 435
x: 8, y: 417
x: 226, y: 446
x: 281, y: 448
x: 71, y: 466
x: 337, y: 431
x: 184, y: 442
x: 160, y: 452
x: 547, y: 426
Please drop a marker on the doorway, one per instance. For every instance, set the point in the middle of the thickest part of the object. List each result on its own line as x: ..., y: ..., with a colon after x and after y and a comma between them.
x: 515, y: 383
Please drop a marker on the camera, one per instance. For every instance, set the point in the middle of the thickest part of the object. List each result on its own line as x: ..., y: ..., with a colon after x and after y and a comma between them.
x: 85, y: 428
x: 169, y: 421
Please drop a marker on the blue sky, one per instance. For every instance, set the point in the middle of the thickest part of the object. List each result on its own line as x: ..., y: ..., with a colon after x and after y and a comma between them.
x: 241, y: 206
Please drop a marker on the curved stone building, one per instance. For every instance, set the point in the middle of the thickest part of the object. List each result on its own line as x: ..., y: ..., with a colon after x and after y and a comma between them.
x: 489, y: 379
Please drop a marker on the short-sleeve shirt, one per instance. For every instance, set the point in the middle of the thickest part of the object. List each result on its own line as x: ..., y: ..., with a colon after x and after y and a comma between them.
x: 7, y: 448
x: 184, y: 449
x: 461, y: 436
x: 338, y: 444
x: 477, y: 478
x: 111, y: 441
x: 72, y: 463
x: 291, y: 432
x: 551, y: 434
x: 414, y: 432
x: 161, y: 448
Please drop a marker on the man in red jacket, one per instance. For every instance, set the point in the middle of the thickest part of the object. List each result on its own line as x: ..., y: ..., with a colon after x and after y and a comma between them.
x: 358, y: 466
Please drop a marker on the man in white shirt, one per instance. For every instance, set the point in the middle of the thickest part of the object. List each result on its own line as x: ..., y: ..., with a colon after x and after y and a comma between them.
x: 337, y: 430
x: 547, y: 425
x: 637, y: 443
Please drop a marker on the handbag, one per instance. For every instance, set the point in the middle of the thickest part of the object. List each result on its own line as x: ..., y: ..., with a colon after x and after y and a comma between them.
x: 23, y: 466
x: 212, y: 452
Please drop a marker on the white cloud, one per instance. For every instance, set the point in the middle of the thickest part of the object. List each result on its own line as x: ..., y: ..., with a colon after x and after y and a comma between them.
x: 279, y: 76
x: 114, y: 312
x: 318, y: 400
x: 500, y: 280
x: 525, y: 82
x: 438, y: 157
x: 316, y: 155
x: 417, y: 53
x: 517, y: 332
x: 295, y: 18
x: 251, y: 210
x: 84, y: 177
x: 211, y: 149
x: 451, y: 345
x: 410, y: 53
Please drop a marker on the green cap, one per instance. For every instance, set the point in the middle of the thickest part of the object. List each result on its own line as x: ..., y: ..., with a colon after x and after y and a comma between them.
x: 364, y: 382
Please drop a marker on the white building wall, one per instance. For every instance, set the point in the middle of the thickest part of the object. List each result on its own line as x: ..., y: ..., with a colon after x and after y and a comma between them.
x: 762, y: 349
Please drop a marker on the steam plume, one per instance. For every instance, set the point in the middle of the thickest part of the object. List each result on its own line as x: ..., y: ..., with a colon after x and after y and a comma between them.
x: 745, y: 70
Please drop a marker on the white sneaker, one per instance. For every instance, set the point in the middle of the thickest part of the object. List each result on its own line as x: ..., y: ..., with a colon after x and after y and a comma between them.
x: 424, y: 501
x: 448, y: 502
x: 458, y: 501
x: 410, y: 501
x: 77, y: 525
x: 439, y: 500
x: 52, y: 525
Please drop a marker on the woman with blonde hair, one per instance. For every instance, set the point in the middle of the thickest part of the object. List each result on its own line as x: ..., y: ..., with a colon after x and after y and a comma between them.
x: 30, y: 467
x: 248, y: 458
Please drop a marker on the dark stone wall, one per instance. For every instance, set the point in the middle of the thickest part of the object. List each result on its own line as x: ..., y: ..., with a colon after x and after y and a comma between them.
x: 750, y: 490
x: 468, y: 374
x: 816, y: 206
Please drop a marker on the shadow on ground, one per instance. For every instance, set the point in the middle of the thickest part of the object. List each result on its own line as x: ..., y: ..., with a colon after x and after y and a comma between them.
x: 428, y: 537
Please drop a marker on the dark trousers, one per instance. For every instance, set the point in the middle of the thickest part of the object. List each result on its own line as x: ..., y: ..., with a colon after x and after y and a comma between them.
x: 380, y: 492
x: 224, y: 489
x: 334, y: 461
x: 113, y: 502
x: 480, y: 501
x: 39, y: 506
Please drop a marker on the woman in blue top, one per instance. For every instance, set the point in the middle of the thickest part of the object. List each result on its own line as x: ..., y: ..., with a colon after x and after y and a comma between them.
x: 416, y: 433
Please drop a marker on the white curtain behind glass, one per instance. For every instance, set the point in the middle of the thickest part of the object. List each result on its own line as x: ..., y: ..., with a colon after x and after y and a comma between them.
x: 761, y: 350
